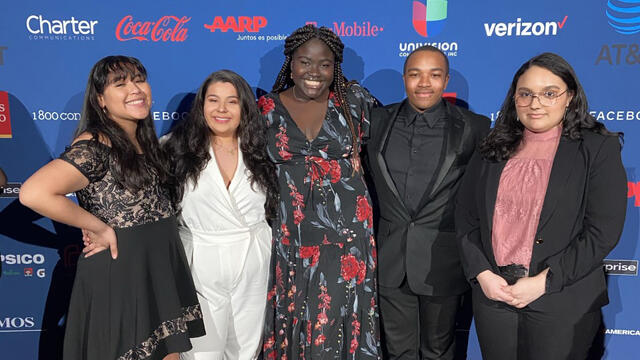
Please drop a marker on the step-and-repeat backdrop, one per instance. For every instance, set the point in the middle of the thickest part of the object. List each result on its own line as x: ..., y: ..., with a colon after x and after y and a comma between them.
x: 48, y: 47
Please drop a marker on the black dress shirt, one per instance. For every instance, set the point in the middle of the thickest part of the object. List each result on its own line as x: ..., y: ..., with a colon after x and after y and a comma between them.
x: 414, y: 150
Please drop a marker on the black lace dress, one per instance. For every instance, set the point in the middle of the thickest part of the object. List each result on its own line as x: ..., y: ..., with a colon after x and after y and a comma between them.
x: 143, y: 304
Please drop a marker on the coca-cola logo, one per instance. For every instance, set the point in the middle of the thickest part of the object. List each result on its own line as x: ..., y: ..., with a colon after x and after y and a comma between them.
x: 167, y: 28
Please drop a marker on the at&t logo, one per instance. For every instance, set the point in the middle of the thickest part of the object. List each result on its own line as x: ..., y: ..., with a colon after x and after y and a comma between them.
x: 429, y: 16
x: 237, y: 24
x: 17, y: 322
x: 624, y: 16
x: 167, y: 28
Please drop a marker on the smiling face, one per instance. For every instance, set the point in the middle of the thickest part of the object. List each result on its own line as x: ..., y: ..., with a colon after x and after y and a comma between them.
x: 425, y: 79
x: 312, y: 66
x: 222, y: 109
x: 538, y: 81
x: 126, y: 98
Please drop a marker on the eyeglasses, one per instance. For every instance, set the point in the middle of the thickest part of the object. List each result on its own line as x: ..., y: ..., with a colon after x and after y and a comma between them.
x: 546, y: 98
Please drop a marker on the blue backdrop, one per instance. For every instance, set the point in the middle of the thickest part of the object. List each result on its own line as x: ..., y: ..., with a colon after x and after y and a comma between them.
x: 48, y: 47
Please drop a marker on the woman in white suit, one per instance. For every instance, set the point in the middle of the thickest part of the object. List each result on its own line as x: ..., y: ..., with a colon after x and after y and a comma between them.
x: 225, y: 189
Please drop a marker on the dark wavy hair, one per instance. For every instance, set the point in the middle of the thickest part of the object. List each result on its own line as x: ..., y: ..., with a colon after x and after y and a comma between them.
x: 128, y: 168
x: 188, y: 145
x: 339, y: 85
x: 504, y: 139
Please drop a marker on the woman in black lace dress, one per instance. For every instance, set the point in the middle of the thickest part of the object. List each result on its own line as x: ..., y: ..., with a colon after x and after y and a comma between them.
x: 136, y: 300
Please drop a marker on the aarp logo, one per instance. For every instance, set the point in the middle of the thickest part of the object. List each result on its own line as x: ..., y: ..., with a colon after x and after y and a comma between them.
x: 429, y: 16
x: 624, y: 16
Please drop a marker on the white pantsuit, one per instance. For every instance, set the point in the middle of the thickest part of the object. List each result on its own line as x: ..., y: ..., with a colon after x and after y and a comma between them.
x: 228, y: 245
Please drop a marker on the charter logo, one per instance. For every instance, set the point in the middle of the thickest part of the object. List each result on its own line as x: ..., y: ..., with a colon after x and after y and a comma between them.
x: 525, y: 28
x: 168, y: 28
x: 621, y: 267
x: 5, y: 115
x: 429, y: 16
x: 237, y: 24
x: 624, y: 16
x: 41, y: 28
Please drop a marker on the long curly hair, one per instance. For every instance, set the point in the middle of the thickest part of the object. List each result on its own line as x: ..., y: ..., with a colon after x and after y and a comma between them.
x: 504, y: 139
x: 128, y: 168
x: 339, y: 86
x: 188, y: 145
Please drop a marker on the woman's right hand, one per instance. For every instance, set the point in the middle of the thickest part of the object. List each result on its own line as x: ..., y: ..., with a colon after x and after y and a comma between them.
x: 495, y: 287
x: 94, y: 242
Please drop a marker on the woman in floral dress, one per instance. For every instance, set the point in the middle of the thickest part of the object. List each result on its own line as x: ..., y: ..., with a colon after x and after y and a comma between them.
x: 322, y: 290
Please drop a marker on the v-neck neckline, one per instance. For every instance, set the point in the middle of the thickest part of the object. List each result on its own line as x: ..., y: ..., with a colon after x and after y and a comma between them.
x: 219, y: 171
x: 324, y: 119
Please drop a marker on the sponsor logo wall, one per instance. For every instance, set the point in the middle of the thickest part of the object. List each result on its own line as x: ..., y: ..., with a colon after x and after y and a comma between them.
x: 47, y: 49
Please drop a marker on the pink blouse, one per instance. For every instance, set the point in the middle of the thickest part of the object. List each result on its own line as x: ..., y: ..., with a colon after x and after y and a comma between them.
x: 521, y: 192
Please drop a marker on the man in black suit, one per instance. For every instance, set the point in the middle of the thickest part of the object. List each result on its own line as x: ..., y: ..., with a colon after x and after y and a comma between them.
x: 416, y: 156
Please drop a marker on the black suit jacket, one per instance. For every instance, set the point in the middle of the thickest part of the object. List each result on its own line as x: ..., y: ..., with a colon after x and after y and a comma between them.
x: 580, y: 222
x: 421, y: 246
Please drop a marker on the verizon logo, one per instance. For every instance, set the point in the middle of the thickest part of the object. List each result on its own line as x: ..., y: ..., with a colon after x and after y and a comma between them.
x: 524, y: 28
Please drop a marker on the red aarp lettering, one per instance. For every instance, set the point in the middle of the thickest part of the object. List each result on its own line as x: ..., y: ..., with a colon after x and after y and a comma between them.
x: 241, y: 24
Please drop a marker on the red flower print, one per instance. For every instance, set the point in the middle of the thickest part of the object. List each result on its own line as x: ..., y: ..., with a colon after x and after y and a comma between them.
x: 354, y: 346
x: 272, y: 355
x: 284, y: 154
x: 334, y: 98
x: 322, y: 318
x: 349, y: 267
x: 312, y: 252
x: 325, y: 299
x: 308, y: 332
x: 268, y: 343
x: 291, y: 307
x: 266, y: 105
x: 283, y: 143
x: 362, y: 271
x: 356, y: 325
x: 285, y: 234
x: 320, y: 340
x: 334, y: 171
x: 364, y: 212
x: 298, y: 216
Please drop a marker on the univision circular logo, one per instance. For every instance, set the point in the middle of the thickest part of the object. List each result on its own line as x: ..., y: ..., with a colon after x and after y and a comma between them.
x: 624, y: 16
x: 429, y: 16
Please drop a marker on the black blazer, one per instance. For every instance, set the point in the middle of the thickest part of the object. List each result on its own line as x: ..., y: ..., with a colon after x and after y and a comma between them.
x: 423, y: 246
x: 580, y: 223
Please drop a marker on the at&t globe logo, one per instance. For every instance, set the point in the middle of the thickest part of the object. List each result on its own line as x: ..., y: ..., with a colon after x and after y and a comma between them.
x: 429, y: 16
x: 624, y: 16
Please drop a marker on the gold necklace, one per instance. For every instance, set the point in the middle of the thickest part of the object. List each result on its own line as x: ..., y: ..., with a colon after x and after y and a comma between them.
x: 296, y: 97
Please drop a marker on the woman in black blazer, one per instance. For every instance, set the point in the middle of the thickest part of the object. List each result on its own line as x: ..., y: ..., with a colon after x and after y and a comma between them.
x: 542, y: 203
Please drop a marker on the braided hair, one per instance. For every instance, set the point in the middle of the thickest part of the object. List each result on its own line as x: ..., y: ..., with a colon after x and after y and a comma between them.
x: 339, y: 85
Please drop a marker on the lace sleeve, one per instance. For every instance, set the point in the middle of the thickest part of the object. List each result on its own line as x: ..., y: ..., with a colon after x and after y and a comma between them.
x: 90, y: 157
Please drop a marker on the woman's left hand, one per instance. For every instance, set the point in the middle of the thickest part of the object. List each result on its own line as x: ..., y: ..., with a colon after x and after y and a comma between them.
x: 528, y: 289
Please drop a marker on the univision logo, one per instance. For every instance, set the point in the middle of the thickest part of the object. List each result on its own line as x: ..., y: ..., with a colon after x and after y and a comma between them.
x: 621, y: 267
x: 624, y: 16
x: 429, y: 16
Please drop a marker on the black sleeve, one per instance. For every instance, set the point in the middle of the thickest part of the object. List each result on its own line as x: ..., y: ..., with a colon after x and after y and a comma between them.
x: 606, y: 197
x: 90, y: 157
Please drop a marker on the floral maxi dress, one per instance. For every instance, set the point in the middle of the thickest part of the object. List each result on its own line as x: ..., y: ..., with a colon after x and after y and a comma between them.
x: 322, y: 289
